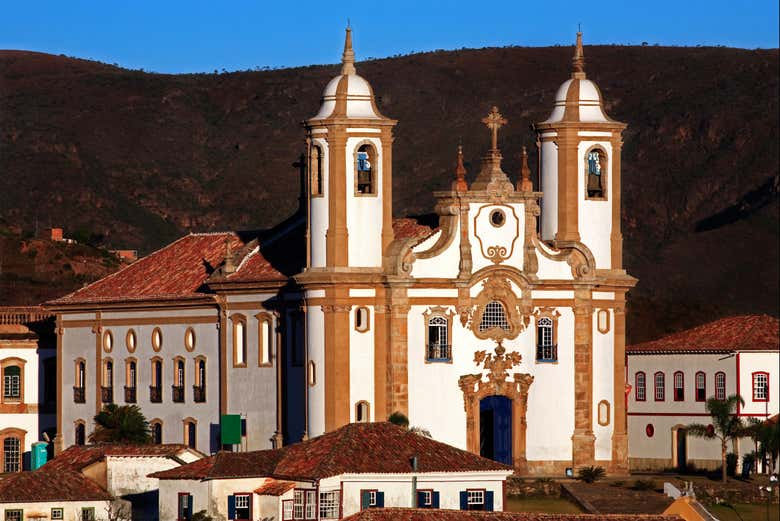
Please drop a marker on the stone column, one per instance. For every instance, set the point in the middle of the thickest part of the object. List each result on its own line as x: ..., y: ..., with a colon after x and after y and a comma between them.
x: 619, y: 417
x: 381, y: 356
x: 583, y: 439
x: 616, y: 237
x: 337, y: 252
x: 337, y: 353
x: 568, y: 189
x: 399, y: 354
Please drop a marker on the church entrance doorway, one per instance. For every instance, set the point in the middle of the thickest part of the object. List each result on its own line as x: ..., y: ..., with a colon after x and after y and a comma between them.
x: 495, y: 428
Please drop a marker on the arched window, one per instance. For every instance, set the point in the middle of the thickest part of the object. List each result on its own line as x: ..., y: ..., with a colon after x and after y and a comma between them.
x: 720, y: 385
x: 190, y: 433
x: 546, y: 350
x: 362, y: 412
x: 494, y: 316
x: 155, y: 389
x: 640, y: 388
x: 131, y: 380
x: 679, y: 386
x: 660, y: 386
x: 362, y: 319
x: 107, y: 389
x: 178, y: 380
x: 80, y: 380
x: 760, y: 386
x: 312, y: 373
x: 438, y: 339
x: 79, y: 433
x: 596, y: 173
x: 264, y: 339
x: 155, y: 426
x: 316, y: 160
x: 603, y: 413
x: 239, y: 340
x: 199, y: 389
x: 365, y: 170
x: 12, y: 383
x: 12, y: 455
x: 701, y: 386
x: 602, y: 321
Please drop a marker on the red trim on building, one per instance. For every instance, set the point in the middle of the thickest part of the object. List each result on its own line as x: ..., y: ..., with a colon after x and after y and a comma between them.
x: 753, y: 386
x: 739, y: 405
x: 743, y: 415
x: 724, y: 385
x: 644, y: 386
x: 678, y: 397
x: 663, y: 386
x: 696, y: 386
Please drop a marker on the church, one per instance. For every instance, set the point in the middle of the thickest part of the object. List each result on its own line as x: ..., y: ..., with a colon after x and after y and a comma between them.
x: 501, y: 331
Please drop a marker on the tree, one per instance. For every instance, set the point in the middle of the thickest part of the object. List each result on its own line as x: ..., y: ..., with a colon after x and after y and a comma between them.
x: 726, y: 425
x: 121, y: 424
x: 767, y: 435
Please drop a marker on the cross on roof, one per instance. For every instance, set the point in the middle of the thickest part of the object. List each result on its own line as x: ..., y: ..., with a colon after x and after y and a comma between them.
x: 494, y: 121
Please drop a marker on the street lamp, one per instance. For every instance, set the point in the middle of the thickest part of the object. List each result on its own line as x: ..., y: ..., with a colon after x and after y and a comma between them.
x: 769, y: 489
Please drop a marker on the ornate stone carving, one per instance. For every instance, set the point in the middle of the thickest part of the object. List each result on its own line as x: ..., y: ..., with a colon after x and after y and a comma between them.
x: 497, y: 364
x: 497, y: 288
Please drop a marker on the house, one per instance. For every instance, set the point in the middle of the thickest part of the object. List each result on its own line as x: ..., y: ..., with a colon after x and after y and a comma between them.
x: 359, y: 465
x: 54, y: 494
x: 28, y: 396
x: 510, y: 313
x: 409, y: 514
x: 672, y: 378
x: 122, y: 470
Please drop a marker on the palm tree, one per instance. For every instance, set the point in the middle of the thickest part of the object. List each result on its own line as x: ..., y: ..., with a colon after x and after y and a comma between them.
x: 726, y: 425
x: 766, y: 434
x: 121, y: 424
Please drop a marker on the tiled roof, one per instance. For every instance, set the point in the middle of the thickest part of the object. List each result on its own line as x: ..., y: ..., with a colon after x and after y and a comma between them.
x: 49, y: 485
x: 407, y: 227
x: 741, y: 333
x: 419, y: 514
x: 16, y: 332
x: 175, y: 271
x: 254, y: 267
x: 357, y: 448
x: 274, y: 487
x: 78, y: 457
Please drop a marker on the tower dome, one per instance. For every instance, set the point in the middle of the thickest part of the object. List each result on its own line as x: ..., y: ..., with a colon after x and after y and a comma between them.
x: 348, y: 95
x: 578, y: 99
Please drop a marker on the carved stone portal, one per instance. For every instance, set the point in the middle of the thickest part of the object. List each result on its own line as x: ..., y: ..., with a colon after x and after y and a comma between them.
x: 475, y: 388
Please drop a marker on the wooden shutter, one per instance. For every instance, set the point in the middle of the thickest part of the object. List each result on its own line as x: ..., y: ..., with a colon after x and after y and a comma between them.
x: 231, y: 507
x: 365, y: 499
x: 435, y: 500
x: 489, y: 500
x: 464, y: 500
x: 380, y: 499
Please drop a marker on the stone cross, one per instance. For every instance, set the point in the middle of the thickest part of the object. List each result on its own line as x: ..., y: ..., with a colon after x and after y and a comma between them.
x: 494, y: 121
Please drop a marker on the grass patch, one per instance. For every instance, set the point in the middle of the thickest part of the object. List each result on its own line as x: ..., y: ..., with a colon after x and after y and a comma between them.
x: 552, y: 505
x: 747, y: 512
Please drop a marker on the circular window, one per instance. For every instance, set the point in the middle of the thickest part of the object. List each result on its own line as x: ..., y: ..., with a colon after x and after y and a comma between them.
x: 189, y: 339
x: 108, y: 341
x: 157, y: 339
x: 497, y: 218
x: 131, y: 340
x: 710, y: 430
x: 649, y: 430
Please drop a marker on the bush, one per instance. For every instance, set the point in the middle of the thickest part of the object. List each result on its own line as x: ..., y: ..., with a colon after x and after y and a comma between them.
x: 731, y: 464
x: 643, y: 484
x: 201, y: 516
x: 399, y: 418
x: 591, y: 474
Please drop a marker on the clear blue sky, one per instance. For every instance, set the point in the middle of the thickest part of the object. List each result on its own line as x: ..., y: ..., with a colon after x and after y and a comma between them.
x: 195, y: 35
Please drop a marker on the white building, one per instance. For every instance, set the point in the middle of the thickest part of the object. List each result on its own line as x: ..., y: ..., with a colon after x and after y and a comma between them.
x: 672, y: 378
x: 355, y: 467
x: 28, y: 392
x: 498, y: 339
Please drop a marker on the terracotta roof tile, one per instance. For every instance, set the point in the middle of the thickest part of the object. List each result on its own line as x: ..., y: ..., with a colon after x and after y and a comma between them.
x: 741, y: 333
x: 407, y: 227
x: 78, y: 457
x: 419, y: 514
x: 175, y: 271
x: 255, y: 267
x: 355, y: 448
x: 49, y: 485
x: 274, y: 487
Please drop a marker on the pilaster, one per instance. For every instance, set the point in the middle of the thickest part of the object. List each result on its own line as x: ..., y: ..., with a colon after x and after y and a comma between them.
x: 568, y: 186
x: 620, y: 426
x: 336, y: 237
x: 336, y: 317
x: 399, y: 353
x: 583, y: 439
x: 616, y: 237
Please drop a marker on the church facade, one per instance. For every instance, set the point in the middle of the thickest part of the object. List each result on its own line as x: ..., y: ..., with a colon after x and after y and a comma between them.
x: 502, y: 331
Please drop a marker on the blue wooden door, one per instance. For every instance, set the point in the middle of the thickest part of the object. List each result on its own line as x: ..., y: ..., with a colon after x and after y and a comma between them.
x: 496, y: 428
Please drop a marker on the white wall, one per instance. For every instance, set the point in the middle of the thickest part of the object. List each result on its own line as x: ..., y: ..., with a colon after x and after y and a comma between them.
x: 71, y: 509
x: 483, y: 234
x: 754, y: 361
x: 169, y: 497
x: 319, y: 208
x: 130, y: 475
x: 603, y: 383
x: 364, y: 213
x: 595, y: 217
x: 445, y: 264
x: 315, y: 336
x: 549, y: 186
x: 361, y: 363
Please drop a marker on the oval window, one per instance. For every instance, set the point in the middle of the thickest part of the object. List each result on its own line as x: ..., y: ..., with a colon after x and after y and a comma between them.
x: 131, y: 340
x: 108, y: 341
x: 497, y: 218
x: 649, y: 430
x: 157, y: 339
x: 189, y: 339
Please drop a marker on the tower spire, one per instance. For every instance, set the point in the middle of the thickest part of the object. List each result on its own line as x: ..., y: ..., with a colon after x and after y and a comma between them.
x: 348, y: 57
x: 525, y: 184
x: 460, y: 184
x: 578, y: 62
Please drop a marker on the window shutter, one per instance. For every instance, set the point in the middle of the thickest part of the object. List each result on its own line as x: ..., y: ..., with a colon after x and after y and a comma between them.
x: 489, y: 500
x: 231, y: 507
x: 420, y: 500
x: 365, y: 499
x: 380, y: 499
x: 189, y: 506
x: 464, y: 500
x: 435, y: 500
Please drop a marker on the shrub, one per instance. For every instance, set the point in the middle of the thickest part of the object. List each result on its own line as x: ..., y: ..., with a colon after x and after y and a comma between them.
x: 201, y: 516
x: 399, y: 418
x: 590, y: 474
x: 731, y: 464
x: 643, y: 484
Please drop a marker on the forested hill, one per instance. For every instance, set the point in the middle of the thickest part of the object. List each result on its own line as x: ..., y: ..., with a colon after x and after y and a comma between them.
x: 141, y: 158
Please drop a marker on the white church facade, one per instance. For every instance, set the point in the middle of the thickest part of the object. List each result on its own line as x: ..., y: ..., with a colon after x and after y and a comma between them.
x: 502, y: 331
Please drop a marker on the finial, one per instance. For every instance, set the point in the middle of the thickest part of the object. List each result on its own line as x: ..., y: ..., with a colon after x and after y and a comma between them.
x: 460, y: 184
x: 348, y: 57
x: 494, y: 121
x: 578, y: 62
x: 229, y: 266
x: 525, y: 184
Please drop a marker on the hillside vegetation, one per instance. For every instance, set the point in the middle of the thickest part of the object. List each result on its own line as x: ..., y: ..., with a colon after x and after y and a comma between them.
x: 141, y: 158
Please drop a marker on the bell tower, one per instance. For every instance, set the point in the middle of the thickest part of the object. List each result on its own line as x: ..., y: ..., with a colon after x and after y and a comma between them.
x: 580, y: 169
x: 350, y: 174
